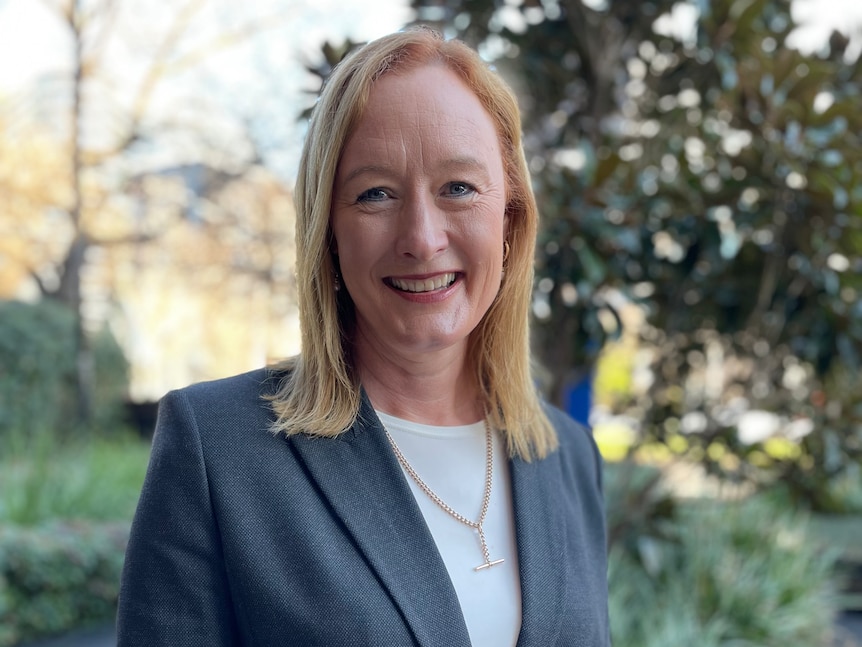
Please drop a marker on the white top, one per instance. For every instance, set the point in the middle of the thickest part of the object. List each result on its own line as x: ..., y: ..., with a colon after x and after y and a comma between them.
x: 451, y: 461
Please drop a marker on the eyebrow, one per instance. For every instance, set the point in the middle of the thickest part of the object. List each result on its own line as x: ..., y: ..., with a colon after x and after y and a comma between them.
x: 362, y: 170
x: 453, y: 164
x: 457, y: 163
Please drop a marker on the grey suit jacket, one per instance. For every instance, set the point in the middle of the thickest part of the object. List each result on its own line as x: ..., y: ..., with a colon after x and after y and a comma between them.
x: 245, y: 538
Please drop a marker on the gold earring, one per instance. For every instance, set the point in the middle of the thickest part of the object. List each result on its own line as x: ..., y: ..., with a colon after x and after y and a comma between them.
x: 505, y: 250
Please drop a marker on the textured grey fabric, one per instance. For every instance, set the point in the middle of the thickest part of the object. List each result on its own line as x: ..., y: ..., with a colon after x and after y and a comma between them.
x: 245, y: 538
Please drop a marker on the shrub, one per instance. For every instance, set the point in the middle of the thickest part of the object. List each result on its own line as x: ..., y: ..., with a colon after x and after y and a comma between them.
x: 37, y: 362
x: 727, y: 573
x: 57, y: 577
x: 37, y: 369
x: 111, y: 387
x: 57, y: 574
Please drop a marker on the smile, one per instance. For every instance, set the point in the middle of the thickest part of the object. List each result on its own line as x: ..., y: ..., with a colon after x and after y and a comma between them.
x: 423, y: 285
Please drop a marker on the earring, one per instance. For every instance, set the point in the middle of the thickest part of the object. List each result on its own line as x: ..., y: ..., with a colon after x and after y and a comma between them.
x: 505, y: 256
x: 336, y: 281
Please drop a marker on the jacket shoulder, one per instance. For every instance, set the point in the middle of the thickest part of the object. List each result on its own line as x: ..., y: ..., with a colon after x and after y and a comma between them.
x: 225, y: 405
x: 256, y: 383
x: 578, y: 448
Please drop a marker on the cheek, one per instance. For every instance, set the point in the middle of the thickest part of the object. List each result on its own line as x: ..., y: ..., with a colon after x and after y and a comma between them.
x: 343, y: 238
x: 357, y: 252
x: 487, y: 234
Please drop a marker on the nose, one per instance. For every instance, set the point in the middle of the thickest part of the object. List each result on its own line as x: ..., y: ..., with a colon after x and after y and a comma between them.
x: 422, y: 229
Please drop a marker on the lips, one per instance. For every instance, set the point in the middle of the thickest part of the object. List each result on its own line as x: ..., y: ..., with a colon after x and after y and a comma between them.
x: 423, y: 285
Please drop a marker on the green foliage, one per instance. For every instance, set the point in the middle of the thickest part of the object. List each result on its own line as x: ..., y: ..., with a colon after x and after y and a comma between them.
x: 36, y: 362
x: 637, y: 505
x: 320, y: 69
x: 65, y: 511
x: 58, y: 576
x: 37, y: 368
x: 111, y: 385
x: 828, y: 476
x: 724, y: 573
x: 99, y: 480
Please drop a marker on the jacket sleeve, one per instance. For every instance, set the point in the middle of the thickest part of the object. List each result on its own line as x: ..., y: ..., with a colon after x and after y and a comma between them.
x: 174, y: 588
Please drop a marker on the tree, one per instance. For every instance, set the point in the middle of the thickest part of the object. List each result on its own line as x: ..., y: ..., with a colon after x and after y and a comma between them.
x: 87, y: 158
x: 711, y: 177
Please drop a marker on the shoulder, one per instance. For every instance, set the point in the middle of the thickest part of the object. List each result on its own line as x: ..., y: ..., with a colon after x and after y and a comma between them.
x: 231, y: 404
x: 578, y: 451
x: 229, y: 395
x: 253, y: 384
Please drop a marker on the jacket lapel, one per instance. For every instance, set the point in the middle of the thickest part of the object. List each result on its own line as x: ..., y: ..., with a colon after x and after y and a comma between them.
x: 542, y: 551
x: 362, y: 481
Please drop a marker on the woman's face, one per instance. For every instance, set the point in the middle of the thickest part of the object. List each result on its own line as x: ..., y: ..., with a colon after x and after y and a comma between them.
x: 418, y: 213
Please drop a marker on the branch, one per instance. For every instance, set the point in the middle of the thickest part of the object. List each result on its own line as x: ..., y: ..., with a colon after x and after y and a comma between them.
x: 130, y: 239
x: 65, y: 9
x: 108, y: 10
x: 154, y: 74
x: 161, y: 66
x: 24, y: 259
x: 43, y: 289
x: 226, y: 40
x: 598, y: 41
x: 772, y: 270
x: 157, y: 69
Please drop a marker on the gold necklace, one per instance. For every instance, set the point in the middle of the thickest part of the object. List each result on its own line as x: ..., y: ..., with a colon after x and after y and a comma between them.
x: 486, y: 497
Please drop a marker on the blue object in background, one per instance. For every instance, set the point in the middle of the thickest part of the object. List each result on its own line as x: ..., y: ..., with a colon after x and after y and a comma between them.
x: 578, y: 398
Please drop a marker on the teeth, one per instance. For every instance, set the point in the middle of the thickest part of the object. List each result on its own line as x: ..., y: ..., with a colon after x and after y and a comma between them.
x: 428, y: 285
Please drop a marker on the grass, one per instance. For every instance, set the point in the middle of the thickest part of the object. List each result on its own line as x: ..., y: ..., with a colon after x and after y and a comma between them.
x: 97, y: 479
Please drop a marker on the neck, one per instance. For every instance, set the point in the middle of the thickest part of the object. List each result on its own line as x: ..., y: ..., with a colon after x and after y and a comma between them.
x: 432, y: 388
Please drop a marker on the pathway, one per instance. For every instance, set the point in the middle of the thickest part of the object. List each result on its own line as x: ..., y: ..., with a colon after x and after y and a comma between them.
x: 849, y: 629
x: 96, y: 637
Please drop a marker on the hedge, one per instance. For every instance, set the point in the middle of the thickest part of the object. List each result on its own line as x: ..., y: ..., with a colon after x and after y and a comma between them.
x: 37, y: 368
x: 58, y: 576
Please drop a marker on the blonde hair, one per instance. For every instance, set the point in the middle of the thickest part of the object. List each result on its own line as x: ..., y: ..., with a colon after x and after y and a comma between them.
x: 320, y: 393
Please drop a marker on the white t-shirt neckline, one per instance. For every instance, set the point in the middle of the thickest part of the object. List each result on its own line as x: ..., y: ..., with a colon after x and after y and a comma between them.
x: 451, y: 460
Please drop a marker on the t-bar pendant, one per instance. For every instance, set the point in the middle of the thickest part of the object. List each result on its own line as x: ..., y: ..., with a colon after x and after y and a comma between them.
x: 489, y: 564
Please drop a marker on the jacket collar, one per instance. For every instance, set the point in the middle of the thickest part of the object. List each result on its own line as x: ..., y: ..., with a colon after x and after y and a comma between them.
x: 388, y: 528
x: 392, y: 534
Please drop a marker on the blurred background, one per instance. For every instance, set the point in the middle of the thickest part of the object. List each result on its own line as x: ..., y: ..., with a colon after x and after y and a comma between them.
x: 698, y: 298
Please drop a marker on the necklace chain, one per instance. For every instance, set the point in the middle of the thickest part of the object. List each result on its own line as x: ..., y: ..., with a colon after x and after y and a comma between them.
x: 486, y: 496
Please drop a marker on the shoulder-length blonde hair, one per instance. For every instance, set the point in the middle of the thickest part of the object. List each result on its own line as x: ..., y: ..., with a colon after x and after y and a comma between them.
x: 320, y: 394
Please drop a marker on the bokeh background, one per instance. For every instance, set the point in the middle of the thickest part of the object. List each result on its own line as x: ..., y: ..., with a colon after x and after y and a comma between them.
x: 698, y: 167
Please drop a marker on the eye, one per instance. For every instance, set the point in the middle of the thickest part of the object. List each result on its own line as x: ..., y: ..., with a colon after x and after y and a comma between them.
x: 373, y: 195
x: 458, y: 189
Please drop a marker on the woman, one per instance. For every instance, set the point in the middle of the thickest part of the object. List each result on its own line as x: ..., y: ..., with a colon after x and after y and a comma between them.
x: 400, y: 482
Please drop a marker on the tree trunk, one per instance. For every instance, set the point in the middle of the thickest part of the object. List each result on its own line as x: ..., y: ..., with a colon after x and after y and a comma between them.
x: 69, y: 294
x: 70, y: 282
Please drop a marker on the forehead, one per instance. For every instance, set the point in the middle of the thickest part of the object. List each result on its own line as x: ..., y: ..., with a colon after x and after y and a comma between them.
x: 429, y: 105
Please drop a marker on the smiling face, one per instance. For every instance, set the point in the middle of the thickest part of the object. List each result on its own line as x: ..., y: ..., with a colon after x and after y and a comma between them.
x: 418, y: 214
